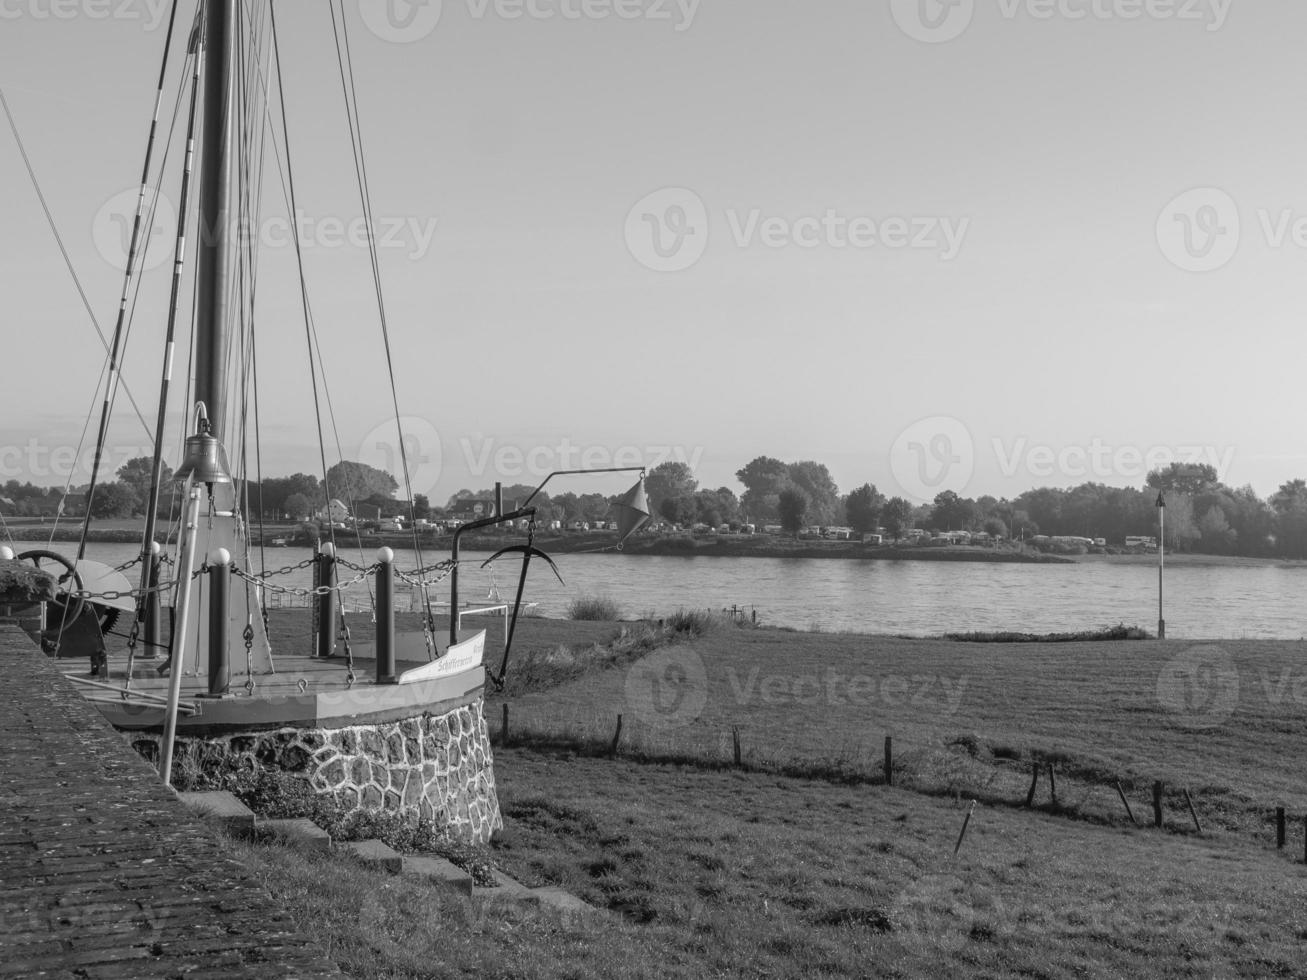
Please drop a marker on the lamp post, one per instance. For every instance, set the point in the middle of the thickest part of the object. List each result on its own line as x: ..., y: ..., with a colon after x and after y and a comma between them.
x: 1161, y: 560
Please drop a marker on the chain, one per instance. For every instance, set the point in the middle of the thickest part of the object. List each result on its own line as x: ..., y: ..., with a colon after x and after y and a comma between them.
x: 321, y: 590
x: 249, y: 658
x: 113, y: 594
x: 128, y: 564
x: 284, y: 570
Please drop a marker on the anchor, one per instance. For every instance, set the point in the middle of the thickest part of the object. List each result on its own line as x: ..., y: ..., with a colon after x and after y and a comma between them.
x: 527, y: 551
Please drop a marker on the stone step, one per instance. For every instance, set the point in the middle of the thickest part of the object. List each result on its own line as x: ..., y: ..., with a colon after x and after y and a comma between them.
x: 562, y: 900
x: 222, y: 807
x: 440, y: 870
x: 299, y: 831
x: 375, y: 854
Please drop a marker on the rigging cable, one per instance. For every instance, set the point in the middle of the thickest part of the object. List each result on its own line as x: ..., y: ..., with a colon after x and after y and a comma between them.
x: 346, y: 64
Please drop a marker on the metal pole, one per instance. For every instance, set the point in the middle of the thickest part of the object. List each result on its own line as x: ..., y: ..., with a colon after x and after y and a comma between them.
x: 326, y: 602
x: 185, y: 562
x: 152, y: 613
x: 385, y: 617
x: 1161, y: 560
x: 219, y: 605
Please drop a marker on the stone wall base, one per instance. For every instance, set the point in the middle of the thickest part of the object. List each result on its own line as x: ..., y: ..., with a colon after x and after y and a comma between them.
x: 436, y: 768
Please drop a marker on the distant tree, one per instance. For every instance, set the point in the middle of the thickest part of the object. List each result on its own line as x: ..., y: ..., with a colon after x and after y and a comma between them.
x: 862, y: 508
x: 677, y: 510
x: 951, y: 512
x: 764, y: 478
x: 815, y: 482
x: 298, y: 507
x: 1186, y: 478
x: 349, y: 479
x: 1216, y: 534
x: 669, y: 481
x: 421, y: 506
x: 714, y: 507
x: 114, y: 500
x: 593, y: 506
x: 792, y: 506
x: 138, y: 473
x: 1181, y: 530
x: 896, y: 515
x: 995, y: 527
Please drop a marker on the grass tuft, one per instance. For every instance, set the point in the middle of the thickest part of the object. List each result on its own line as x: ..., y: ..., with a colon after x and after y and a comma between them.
x: 594, y: 608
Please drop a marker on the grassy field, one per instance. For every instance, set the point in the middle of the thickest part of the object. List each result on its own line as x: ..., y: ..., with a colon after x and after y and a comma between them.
x: 1222, y: 720
x: 727, y: 874
x: 803, y: 863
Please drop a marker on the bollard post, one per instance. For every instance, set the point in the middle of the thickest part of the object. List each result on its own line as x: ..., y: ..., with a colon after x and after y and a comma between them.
x: 1279, y: 828
x: 889, y: 760
x: 326, y: 578
x: 385, y: 617
x: 152, y: 611
x: 219, y: 603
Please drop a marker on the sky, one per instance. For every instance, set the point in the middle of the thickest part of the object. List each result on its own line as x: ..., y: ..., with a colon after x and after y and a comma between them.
x: 935, y: 245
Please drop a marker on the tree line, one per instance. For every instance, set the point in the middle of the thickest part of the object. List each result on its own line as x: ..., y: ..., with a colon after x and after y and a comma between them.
x: 1202, y: 514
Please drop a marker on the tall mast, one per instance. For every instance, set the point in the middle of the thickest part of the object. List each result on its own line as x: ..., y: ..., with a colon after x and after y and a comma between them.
x: 211, y: 328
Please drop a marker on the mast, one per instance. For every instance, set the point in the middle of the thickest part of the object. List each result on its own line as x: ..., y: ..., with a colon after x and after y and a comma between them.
x: 211, y: 328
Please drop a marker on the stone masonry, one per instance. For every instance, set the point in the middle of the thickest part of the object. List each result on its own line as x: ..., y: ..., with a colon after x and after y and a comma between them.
x: 434, y: 767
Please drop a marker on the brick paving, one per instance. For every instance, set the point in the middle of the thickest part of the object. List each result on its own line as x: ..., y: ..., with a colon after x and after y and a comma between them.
x: 103, y: 872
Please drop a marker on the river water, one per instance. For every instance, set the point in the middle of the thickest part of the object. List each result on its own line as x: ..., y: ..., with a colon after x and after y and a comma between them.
x: 909, y: 597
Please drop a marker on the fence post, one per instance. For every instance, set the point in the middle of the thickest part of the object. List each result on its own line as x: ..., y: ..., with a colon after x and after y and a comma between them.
x: 326, y: 578
x: 1129, y: 813
x: 617, y: 737
x: 1034, y: 783
x: 735, y: 739
x: 219, y: 602
x: 503, y: 728
x: 385, y: 616
x: 1052, y: 782
x: 1157, y: 803
x: 1279, y: 828
x: 1192, y: 812
x: 889, y: 760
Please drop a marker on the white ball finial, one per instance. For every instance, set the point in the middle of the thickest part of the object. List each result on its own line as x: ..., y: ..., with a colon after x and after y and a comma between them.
x: 329, y: 550
x: 385, y: 556
x: 6, y: 552
x: 220, y: 556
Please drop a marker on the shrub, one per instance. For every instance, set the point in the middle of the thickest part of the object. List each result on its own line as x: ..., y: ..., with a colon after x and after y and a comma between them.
x: 593, y: 608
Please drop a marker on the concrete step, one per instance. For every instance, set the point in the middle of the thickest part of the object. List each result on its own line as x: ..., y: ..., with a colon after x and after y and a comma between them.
x: 375, y: 854
x: 219, y: 805
x: 439, y: 870
x: 299, y: 831
x: 562, y: 900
